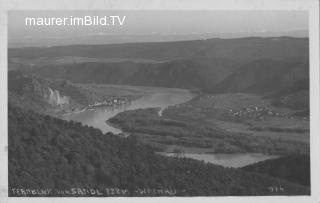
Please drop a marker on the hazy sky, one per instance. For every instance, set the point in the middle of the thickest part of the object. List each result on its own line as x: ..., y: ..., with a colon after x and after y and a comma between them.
x: 152, y: 25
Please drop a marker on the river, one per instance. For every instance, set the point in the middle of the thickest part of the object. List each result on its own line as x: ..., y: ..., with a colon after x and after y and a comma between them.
x: 227, y: 160
x: 152, y: 97
x: 162, y: 98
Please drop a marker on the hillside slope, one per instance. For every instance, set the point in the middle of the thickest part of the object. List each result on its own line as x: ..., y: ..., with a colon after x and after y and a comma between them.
x: 45, y: 152
x: 240, y: 49
x: 264, y: 76
x: 187, y: 73
x: 295, y: 168
x: 251, y: 64
x: 41, y: 95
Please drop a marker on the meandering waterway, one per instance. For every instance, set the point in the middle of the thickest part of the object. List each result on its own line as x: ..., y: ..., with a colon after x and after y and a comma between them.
x: 161, y: 98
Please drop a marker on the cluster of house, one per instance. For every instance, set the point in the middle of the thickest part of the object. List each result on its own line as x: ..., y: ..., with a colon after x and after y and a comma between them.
x: 256, y: 112
x: 110, y: 101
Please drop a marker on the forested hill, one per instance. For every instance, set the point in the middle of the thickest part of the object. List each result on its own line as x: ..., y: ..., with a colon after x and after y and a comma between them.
x: 47, y: 152
x: 253, y: 64
x: 239, y: 49
x: 295, y: 168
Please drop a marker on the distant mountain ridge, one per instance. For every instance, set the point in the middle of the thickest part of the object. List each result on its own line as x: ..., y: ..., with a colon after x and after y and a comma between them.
x: 252, y: 64
x: 106, y: 38
x: 236, y: 48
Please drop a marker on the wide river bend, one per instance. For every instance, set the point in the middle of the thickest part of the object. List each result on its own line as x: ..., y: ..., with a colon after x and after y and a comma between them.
x: 161, y: 98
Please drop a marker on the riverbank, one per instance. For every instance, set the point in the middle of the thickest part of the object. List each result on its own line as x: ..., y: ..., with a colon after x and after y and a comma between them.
x: 198, y: 127
x: 144, y: 97
x: 227, y: 160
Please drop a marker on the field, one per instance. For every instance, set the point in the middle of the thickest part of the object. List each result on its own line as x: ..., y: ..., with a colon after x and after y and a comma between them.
x: 207, y: 124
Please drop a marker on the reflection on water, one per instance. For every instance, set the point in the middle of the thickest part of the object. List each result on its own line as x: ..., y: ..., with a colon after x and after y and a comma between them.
x: 154, y: 97
x: 227, y: 160
x: 97, y: 117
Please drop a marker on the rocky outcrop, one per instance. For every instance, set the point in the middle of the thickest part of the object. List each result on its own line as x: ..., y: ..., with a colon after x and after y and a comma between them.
x: 39, y: 95
x: 56, y: 99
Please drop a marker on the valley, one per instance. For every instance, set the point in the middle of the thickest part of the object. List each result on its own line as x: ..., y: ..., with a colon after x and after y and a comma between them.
x: 205, y: 125
x: 197, y: 108
x: 52, y: 153
x: 157, y: 97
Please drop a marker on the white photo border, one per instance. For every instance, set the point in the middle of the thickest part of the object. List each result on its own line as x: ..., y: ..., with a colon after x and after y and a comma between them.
x: 312, y: 6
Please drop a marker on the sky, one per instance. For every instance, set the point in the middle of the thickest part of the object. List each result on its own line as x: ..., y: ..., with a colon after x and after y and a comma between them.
x: 156, y: 25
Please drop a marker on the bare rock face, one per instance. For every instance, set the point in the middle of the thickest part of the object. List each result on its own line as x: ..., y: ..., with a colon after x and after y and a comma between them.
x: 56, y: 99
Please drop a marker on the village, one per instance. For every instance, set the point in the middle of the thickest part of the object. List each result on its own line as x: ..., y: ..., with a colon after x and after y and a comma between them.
x: 247, y: 111
x: 257, y: 112
x: 110, y: 101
